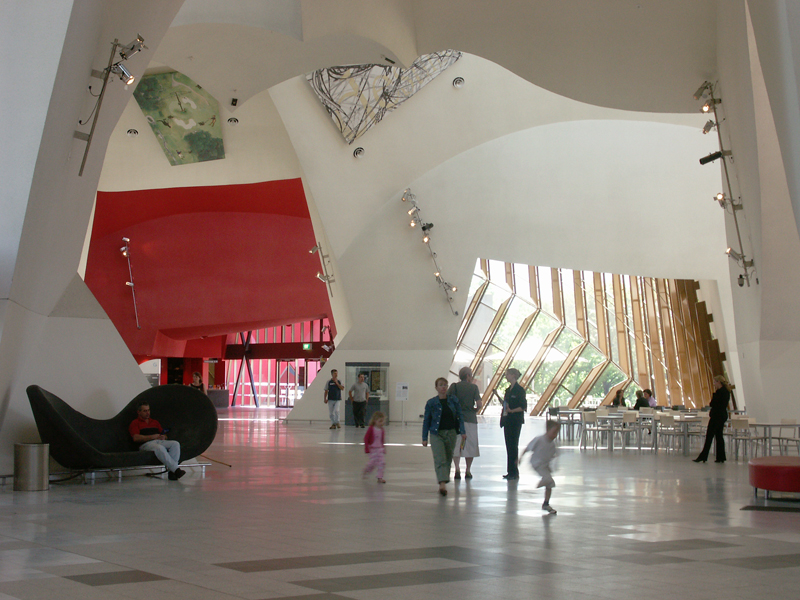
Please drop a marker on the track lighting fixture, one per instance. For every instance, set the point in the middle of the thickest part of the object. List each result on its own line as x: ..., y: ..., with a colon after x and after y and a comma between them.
x: 414, y: 211
x: 706, y: 91
x: 324, y: 276
x: 734, y: 254
x: 701, y: 90
x: 714, y: 156
x: 126, y: 253
x: 134, y: 47
x: 125, y: 52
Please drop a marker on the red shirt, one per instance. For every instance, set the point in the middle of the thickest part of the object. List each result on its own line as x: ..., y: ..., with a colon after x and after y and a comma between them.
x: 142, y: 427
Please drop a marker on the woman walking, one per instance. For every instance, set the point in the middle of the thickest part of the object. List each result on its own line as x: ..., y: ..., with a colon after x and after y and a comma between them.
x: 442, y: 420
x: 469, y: 397
x: 717, y: 418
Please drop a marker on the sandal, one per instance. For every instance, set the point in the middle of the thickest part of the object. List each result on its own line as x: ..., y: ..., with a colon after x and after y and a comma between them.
x: 443, y: 492
x: 381, y: 481
x: 468, y: 476
x: 457, y: 475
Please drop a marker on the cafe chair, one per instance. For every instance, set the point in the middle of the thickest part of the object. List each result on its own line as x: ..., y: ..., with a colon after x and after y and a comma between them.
x: 669, y: 432
x: 786, y: 436
x: 631, y: 424
x: 742, y: 432
x: 590, y: 426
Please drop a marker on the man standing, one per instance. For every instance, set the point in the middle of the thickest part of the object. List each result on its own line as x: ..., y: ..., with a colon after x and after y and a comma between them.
x: 150, y: 436
x: 359, y: 394
x: 333, y: 394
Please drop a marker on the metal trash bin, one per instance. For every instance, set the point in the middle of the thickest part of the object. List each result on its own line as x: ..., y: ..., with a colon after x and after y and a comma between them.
x: 31, y: 467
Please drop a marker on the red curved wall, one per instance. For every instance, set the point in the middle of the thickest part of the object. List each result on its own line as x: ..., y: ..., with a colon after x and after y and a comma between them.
x: 207, y: 261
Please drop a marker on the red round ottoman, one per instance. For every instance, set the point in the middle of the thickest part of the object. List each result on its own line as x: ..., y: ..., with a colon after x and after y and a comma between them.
x: 775, y: 474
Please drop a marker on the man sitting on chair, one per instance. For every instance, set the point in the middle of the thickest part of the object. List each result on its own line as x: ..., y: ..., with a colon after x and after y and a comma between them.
x: 150, y: 436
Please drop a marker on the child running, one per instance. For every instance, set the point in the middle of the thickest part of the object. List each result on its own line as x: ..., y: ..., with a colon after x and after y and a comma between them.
x: 543, y: 450
x: 373, y: 445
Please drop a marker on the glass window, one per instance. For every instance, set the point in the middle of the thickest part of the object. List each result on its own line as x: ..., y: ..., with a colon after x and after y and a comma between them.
x: 522, y: 283
x: 518, y: 311
x: 567, y: 340
x: 568, y: 293
x: 591, y: 311
x: 611, y: 376
x: 497, y: 271
x: 545, y: 289
x: 478, y: 327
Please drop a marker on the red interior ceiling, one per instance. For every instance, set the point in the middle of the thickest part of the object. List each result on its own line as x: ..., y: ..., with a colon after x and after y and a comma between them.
x: 207, y: 261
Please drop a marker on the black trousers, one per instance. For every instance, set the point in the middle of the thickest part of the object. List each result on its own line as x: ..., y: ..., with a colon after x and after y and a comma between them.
x: 359, y: 410
x: 714, y: 431
x: 511, y: 432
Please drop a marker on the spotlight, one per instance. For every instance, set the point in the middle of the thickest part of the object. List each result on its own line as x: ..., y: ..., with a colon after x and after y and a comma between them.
x: 124, y: 250
x: 721, y: 199
x: 134, y: 47
x: 714, y: 156
x: 427, y: 227
x: 315, y: 249
x: 734, y: 254
x: 454, y: 288
x: 437, y: 274
x: 702, y: 89
x: 413, y: 223
x: 741, y: 280
x: 426, y: 238
x: 124, y: 74
x: 411, y: 210
x: 325, y: 278
x: 407, y: 195
x: 327, y: 348
x: 709, y: 106
x: 126, y: 240
x: 708, y: 126
x: 129, y: 283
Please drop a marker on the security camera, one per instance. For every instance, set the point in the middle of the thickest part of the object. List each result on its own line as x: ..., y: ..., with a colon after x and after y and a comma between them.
x: 741, y: 280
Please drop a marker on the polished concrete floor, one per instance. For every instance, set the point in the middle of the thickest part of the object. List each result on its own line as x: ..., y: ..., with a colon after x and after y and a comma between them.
x: 293, y: 518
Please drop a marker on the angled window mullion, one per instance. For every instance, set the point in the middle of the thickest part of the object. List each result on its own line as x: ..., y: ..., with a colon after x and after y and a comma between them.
x: 670, y: 349
x: 659, y: 374
x: 470, y: 312
x: 480, y: 353
x: 692, y: 362
x: 621, y: 328
x: 558, y: 295
x: 508, y: 358
x: 533, y: 279
x: 584, y: 388
x: 642, y: 360
x: 600, y: 309
x: 558, y: 378
x: 580, y: 304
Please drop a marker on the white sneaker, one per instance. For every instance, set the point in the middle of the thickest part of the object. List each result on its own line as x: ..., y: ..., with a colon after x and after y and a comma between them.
x: 549, y: 509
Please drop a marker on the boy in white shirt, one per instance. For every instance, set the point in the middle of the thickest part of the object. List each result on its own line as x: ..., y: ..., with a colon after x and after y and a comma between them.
x: 543, y: 451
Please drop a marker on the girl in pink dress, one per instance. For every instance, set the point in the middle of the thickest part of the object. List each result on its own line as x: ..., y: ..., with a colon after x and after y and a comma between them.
x: 373, y: 445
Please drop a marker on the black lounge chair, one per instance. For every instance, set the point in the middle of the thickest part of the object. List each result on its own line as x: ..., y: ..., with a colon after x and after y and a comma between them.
x: 80, y: 442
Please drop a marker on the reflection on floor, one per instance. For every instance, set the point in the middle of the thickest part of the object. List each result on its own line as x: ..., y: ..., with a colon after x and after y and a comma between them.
x: 293, y: 518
